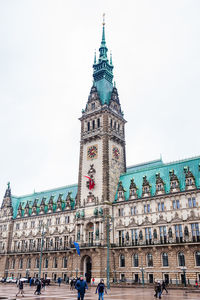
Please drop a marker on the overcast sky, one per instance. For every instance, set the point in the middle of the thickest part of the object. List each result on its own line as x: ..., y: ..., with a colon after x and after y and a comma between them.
x: 46, y: 56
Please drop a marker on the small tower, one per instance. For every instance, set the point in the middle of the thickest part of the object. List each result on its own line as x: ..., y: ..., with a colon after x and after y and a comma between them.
x: 6, y: 206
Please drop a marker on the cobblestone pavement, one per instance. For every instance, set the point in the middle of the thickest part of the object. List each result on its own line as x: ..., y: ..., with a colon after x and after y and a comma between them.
x: 55, y: 293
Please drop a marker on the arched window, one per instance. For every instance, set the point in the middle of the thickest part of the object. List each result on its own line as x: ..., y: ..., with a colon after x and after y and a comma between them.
x: 65, y: 262
x: 55, y: 263
x: 197, y: 258
x: 135, y: 260
x: 111, y: 123
x: 21, y: 263
x: 88, y: 126
x: 37, y: 262
x: 181, y: 259
x: 149, y: 260
x: 115, y: 124
x: 13, y: 263
x: 122, y: 261
x: 46, y: 263
x: 28, y: 263
x: 93, y: 124
x: 98, y: 123
x: 165, y: 260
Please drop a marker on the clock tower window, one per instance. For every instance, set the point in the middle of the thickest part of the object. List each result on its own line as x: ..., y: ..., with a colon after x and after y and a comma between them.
x: 111, y: 123
x: 88, y: 126
x: 98, y: 122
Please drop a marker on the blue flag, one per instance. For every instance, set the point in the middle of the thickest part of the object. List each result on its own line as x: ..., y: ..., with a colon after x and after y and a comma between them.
x: 77, y: 248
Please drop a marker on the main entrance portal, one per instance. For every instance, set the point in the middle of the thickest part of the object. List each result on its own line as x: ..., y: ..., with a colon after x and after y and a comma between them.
x: 87, y: 267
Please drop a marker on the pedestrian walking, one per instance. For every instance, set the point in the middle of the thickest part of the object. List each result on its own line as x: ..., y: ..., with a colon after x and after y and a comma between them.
x: 93, y: 280
x: 101, y: 289
x: 38, y: 289
x: 164, y: 287
x: 81, y: 286
x: 21, y: 288
x: 72, y: 284
x: 59, y: 281
x: 158, y: 290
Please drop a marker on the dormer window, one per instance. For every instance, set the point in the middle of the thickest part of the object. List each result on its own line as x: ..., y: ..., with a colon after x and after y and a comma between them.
x: 145, y: 187
x: 133, y: 189
x: 121, y: 191
x: 93, y: 106
x: 189, y: 179
x: 174, y: 182
x: 159, y: 184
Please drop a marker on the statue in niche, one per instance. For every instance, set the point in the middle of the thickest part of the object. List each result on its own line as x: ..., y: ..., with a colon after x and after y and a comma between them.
x: 170, y: 232
x: 140, y: 235
x: 97, y: 234
x: 186, y: 232
x: 155, y: 234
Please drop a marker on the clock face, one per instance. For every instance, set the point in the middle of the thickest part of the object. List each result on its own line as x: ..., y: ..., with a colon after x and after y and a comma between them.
x: 92, y: 152
x: 115, y: 152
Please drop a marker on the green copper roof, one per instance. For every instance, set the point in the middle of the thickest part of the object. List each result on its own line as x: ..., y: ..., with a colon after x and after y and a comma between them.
x: 103, y: 72
x: 62, y: 191
x: 150, y: 170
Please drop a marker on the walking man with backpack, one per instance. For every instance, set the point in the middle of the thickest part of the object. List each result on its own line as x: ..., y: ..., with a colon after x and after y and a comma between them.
x: 100, y: 289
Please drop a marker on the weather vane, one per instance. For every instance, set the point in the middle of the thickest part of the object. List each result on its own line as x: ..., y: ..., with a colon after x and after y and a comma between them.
x: 104, y: 19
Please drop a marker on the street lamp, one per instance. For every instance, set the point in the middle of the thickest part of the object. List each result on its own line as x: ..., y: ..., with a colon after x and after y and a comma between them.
x: 108, y: 218
x: 184, y: 271
x: 142, y: 270
x: 43, y: 230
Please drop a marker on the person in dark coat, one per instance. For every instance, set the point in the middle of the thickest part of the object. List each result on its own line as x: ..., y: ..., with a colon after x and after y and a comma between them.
x: 158, y: 290
x: 100, y: 289
x: 164, y: 287
x: 81, y: 286
x: 21, y: 288
x: 38, y: 290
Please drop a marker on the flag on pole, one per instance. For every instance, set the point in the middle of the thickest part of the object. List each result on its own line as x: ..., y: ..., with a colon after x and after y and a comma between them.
x: 77, y: 248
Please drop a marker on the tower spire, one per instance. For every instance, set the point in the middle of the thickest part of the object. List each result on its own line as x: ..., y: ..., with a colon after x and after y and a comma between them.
x: 103, y: 49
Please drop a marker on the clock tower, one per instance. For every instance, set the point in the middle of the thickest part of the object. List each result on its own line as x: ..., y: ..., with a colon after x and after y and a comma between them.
x: 102, y: 145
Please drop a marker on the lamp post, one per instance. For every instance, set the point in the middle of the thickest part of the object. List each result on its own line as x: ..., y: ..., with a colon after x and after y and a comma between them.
x: 142, y: 270
x: 43, y: 229
x: 184, y: 271
x: 108, y: 218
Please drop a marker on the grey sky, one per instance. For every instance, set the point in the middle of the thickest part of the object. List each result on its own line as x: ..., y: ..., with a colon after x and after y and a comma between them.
x: 46, y: 56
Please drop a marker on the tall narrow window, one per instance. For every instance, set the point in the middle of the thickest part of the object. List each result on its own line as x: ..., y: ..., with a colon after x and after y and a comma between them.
x: 93, y: 124
x: 111, y: 123
x: 197, y: 258
x: 181, y: 259
x: 165, y: 260
x: 122, y: 261
x: 88, y: 126
x: 135, y: 260
x: 98, y: 122
x: 149, y: 260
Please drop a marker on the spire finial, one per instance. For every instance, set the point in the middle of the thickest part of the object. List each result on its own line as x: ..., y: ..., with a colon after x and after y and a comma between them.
x: 104, y: 19
x: 95, y: 59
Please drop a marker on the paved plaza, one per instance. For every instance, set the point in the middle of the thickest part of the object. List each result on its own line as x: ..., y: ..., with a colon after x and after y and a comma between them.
x: 55, y: 293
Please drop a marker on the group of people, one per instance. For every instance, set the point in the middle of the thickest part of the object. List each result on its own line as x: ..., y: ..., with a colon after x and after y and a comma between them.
x: 159, y: 288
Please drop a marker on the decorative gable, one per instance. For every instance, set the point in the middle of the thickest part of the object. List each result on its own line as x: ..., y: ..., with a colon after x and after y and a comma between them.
x: 19, y: 211
x: 26, y: 210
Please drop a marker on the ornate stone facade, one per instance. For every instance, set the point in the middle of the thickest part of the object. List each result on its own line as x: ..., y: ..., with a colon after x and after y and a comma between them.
x: 149, y: 213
